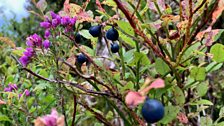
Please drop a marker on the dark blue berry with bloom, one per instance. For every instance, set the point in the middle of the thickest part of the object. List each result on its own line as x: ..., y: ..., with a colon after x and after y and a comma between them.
x: 81, y: 58
x: 46, y: 44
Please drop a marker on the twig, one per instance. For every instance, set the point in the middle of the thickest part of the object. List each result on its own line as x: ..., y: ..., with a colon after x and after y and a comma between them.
x: 74, y: 111
x: 204, y: 22
x: 85, y: 76
x: 97, y: 115
x: 67, y: 82
x: 135, y: 116
x: 88, y: 57
x: 132, y: 21
x: 203, y: 2
x: 139, y: 1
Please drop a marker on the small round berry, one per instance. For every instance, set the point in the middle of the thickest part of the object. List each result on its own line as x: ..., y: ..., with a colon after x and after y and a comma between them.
x: 95, y: 31
x: 114, y: 48
x: 78, y: 38
x: 81, y: 58
x: 112, y: 34
x: 152, y: 110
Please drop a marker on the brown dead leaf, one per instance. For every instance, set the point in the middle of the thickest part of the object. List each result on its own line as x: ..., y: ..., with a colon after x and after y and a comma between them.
x: 84, y: 16
x: 218, y: 11
x: 8, y: 41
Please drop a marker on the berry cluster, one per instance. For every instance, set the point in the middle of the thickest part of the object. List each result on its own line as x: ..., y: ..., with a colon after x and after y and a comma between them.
x: 35, y: 41
x: 112, y: 34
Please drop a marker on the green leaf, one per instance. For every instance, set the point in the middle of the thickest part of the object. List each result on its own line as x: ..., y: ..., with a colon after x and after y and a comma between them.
x: 198, y: 73
x: 126, y: 27
x: 42, y: 5
x: 128, y: 86
x: 4, y: 118
x: 202, y: 102
x: 109, y: 3
x: 129, y: 55
x: 88, y: 50
x: 161, y: 67
x: 202, y: 88
x: 220, y: 124
x: 221, y: 112
x: 41, y: 86
x: 206, y: 121
x: 18, y: 52
x: 85, y: 33
x: 170, y: 114
x: 179, y: 95
x: 213, y: 66
x: 138, y: 56
x: 43, y: 73
x: 217, y: 50
x: 126, y: 39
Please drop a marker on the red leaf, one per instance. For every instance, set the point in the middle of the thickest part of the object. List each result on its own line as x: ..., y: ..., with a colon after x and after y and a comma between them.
x: 218, y: 11
x: 66, y: 6
x: 99, y: 6
x: 133, y: 99
x: 2, y: 102
x: 158, y: 83
x: 182, y: 118
x: 208, y: 35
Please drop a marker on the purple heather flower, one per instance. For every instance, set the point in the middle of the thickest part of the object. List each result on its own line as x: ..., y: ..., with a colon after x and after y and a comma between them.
x: 47, y: 33
x: 46, y: 44
x: 24, y: 60
x: 58, y: 18
x: 65, y: 20
x: 72, y: 21
x: 37, y: 39
x: 13, y: 86
x: 53, y: 15
x: 27, y: 92
x: 29, y: 52
x: 20, y: 95
x: 7, y: 89
x: 55, y: 22
x: 29, y: 42
x: 51, y: 120
x: 45, y: 24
